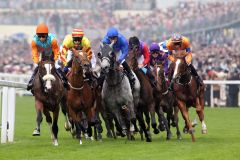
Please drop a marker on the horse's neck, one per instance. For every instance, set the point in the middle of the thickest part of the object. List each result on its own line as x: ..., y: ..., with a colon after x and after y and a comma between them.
x: 135, y: 63
x: 114, y: 75
x: 76, y: 77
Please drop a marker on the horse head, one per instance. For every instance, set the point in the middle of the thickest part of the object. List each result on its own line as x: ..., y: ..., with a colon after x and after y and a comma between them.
x: 180, y: 68
x: 81, y: 64
x: 107, y: 57
x: 133, y: 53
x: 46, y: 72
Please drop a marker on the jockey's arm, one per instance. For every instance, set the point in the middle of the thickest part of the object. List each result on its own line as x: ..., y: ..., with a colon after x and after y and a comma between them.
x: 146, y: 55
x: 55, y: 49
x: 124, y: 50
x: 66, y: 45
x: 86, y: 43
x: 170, y: 56
x: 35, y: 56
x: 170, y: 49
x: 188, y: 57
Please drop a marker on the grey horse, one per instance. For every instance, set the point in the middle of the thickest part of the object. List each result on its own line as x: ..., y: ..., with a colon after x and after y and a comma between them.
x: 118, y: 98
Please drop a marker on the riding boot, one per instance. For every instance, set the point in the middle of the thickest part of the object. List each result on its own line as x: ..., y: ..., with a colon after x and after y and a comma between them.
x: 30, y: 83
x: 194, y: 72
x: 63, y: 78
x: 129, y: 73
x: 66, y: 68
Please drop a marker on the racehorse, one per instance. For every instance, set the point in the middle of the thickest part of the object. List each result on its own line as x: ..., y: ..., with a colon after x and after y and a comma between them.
x: 48, y: 91
x: 168, y: 103
x: 146, y: 102
x: 118, y: 99
x: 187, y: 93
x: 80, y: 100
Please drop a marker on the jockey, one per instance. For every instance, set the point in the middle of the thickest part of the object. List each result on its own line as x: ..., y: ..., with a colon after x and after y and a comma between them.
x: 46, y: 44
x: 159, y: 55
x: 177, y: 43
x: 75, y: 40
x: 120, y: 48
x: 143, y: 57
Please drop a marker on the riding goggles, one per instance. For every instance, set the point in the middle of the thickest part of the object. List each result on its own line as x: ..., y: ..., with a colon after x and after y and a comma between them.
x: 42, y: 35
x: 77, y: 39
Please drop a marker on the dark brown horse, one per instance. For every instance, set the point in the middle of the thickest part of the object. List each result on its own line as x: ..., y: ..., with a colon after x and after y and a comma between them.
x: 168, y: 103
x: 48, y: 91
x: 81, y: 104
x: 187, y: 93
x: 146, y: 102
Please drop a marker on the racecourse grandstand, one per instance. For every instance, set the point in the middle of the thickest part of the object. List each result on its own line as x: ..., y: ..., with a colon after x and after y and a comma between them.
x: 213, y: 28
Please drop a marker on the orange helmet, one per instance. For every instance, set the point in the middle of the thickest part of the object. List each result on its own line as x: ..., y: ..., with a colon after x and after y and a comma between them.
x: 176, y: 38
x: 42, y: 28
x: 77, y: 32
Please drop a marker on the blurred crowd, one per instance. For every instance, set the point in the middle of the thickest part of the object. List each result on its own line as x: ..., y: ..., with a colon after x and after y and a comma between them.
x: 183, y: 17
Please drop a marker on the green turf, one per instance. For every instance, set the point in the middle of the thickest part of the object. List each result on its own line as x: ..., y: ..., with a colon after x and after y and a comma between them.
x: 222, y: 141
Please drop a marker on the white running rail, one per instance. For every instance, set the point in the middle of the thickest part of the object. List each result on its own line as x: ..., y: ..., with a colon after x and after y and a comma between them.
x: 8, y: 98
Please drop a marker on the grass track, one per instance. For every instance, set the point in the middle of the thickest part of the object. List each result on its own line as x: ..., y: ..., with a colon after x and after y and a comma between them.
x: 222, y: 141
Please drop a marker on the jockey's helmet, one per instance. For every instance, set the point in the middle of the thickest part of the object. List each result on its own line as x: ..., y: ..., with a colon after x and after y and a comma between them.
x: 77, y: 32
x: 176, y: 39
x: 112, y: 32
x: 77, y: 35
x: 134, y: 43
x: 42, y: 29
x: 154, y: 47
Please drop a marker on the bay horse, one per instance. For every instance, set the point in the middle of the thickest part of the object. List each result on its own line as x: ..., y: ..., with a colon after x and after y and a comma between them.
x: 168, y: 103
x: 118, y: 99
x: 48, y: 90
x: 80, y: 100
x: 146, y: 103
x: 187, y: 93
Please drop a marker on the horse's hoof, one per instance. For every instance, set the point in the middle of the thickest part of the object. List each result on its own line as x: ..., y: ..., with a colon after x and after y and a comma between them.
x: 161, y: 127
x: 192, y: 131
x: 169, y: 136
x: 179, y: 137
x: 185, y: 130
x: 173, y: 124
x: 55, y: 142
x: 67, y: 126
x: 204, y: 131
x: 36, y: 132
x: 155, y: 131
x: 80, y: 142
x: 148, y: 140
x: 194, y: 123
x: 109, y: 135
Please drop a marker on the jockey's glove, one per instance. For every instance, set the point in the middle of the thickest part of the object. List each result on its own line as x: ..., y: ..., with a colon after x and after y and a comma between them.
x: 65, y: 69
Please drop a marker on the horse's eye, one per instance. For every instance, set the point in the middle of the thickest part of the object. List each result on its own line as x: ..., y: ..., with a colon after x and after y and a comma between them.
x: 99, y: 54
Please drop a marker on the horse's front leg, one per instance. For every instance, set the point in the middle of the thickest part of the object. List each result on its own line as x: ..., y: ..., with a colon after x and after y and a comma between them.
x: 39, y: 109
x: 176, y: 109
x: 199, y: 110
x: 55, y: 126
x: 67, y: 124
x: 153, y: 118
x: 185, y: 115
x: 165, y: 122
x: 50, y: 124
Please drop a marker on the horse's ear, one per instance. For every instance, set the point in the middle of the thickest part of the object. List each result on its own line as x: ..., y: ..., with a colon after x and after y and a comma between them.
x: 101, y: 45
x: 111, y: 45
